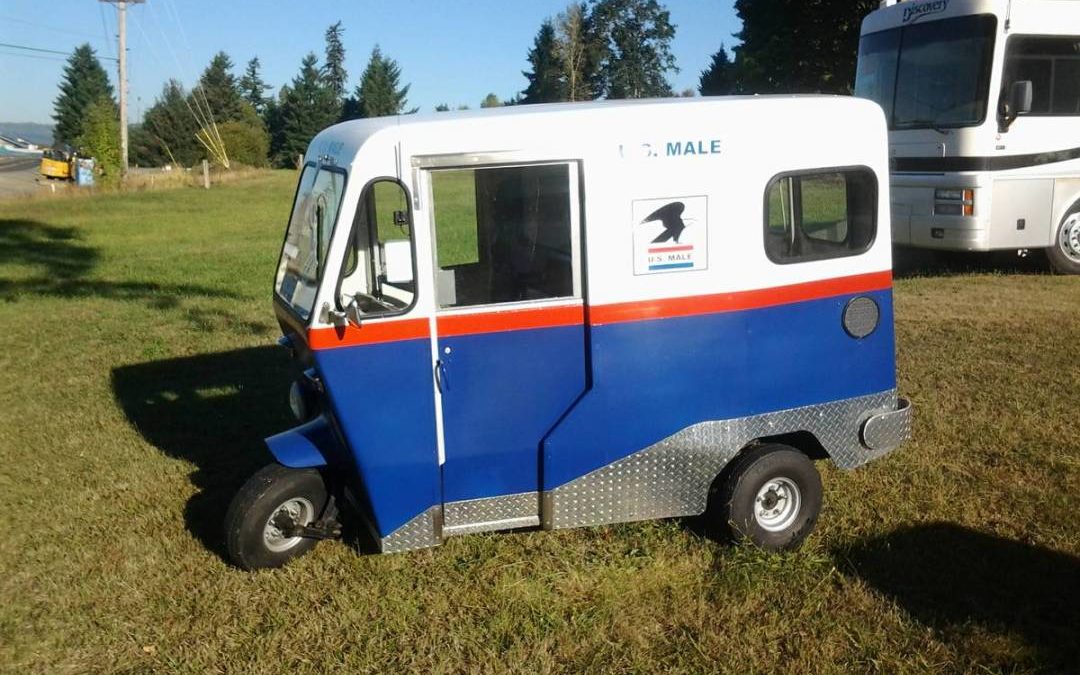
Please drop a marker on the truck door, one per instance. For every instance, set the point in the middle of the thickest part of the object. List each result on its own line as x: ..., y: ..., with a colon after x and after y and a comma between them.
x: 510, y: 351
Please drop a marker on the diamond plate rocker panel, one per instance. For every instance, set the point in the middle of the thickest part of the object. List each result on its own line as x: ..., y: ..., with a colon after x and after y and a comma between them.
x: 888, y: 430
x: 423, y: 531
x: 672, y: 477
x: 492, y: 513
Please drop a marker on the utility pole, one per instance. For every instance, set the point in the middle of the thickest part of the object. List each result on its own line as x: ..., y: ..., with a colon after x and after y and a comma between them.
x: 121, y: 22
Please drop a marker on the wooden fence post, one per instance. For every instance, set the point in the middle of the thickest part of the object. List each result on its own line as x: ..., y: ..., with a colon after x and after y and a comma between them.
x: 206, y: 174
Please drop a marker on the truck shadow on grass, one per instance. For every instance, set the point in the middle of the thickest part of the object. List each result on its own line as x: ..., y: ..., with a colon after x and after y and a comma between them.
x: 57, y: 263
x: 212, y: 410
x: 952, y: 578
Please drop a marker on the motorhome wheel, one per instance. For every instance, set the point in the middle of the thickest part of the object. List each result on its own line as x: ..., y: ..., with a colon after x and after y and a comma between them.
x: 1064, y: 255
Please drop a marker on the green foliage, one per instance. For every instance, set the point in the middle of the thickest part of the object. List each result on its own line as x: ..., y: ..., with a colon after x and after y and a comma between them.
x: 634, y: 39
x: 253, y: 89
x: 490, y: 101
x: 719, y: 78
x: 379, y: 92
x: 799, y: 46
x: 307, y: 107
x: 218, y: 93
x: 84, y: 83
x: 442, y: 107
x: 100, y: 139
x: 333, y: 70
x: 546, y: 79
x: 170, y: 129
x: 247, y: 142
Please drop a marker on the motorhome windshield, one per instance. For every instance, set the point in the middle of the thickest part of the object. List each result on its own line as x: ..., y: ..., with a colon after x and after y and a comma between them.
x: 315, y: 210
x: 929, y: 75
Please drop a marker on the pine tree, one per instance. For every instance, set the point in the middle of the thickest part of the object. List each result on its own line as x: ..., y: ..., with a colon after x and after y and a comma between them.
x: 172, y: 127
x: 84, y: 84
x: 546, y: 78
x: 442, y: 107
x: 218, y: 95
x: 253, y: 89
x: 635, y: 47
x: 333, y: 70
x: 719, y: 78
x: 308, y: 106
x: 379, y: 92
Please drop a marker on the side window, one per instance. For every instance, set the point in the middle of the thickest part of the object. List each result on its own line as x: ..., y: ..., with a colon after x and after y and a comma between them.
x: 502, y: 234
x: 1052, y: 65
x: 820, y: 214
x: 378, y: 274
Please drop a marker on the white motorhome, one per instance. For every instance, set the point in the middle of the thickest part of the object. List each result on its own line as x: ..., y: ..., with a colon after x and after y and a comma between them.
x: 982, y: 99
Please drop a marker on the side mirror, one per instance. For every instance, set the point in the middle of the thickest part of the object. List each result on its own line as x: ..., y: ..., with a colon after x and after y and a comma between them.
x: 1021, y: 96
x: 397, y: 256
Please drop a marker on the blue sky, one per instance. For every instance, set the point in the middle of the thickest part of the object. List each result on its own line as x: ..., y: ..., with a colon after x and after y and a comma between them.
x: 454, y: 51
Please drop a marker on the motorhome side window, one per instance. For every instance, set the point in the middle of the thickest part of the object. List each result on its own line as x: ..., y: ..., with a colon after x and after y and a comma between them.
x: 819, y: 215
x: 1052, y: 65
x: 502, y: 234
x: 378, y: 276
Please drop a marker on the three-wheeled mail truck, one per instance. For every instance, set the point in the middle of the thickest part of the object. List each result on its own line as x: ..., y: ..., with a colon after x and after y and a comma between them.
x: 566, y: 315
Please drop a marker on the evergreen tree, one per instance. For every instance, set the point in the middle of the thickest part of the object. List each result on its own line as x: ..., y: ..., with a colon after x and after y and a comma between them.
x: 635, y: 47
x: 171, y: 126
x: 308, y: 106
x: 84, y: 84
x: 442, y: 107
x: 218, y: 93
x: 799, y: 46
x: 379, y: 92
x: 333, y: 70
x: 253, y: 89
x: 719, y: 78
x: 100, y: 139
x: 546, y: 78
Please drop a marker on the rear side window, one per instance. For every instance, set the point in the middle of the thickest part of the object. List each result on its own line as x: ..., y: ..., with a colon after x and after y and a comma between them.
x: 1052, y: 65
x: 821, y: 214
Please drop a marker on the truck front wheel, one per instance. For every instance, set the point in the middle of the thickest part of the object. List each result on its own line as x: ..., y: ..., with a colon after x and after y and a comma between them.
x: 261, y: 520
x: 1064, y: 254
x: 770, y: 495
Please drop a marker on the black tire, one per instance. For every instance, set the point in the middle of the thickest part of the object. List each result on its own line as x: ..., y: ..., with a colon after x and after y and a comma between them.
x: 1066, y: 236
x: 246, y: 521
x: 752, y: 472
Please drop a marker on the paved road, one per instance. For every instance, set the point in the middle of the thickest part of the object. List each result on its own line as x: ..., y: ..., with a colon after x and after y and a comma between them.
x: 18, y: 175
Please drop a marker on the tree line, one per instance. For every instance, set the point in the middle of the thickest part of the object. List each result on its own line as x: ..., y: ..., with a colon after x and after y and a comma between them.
x: 610, y: 49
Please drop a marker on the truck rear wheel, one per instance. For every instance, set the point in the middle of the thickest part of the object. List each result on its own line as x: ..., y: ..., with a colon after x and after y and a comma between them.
x: 259, y: 522
x: 1064, y: 254
x: 771, y: 496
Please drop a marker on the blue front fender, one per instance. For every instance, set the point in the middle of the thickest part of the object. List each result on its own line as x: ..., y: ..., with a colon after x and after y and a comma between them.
x: 305, y: 446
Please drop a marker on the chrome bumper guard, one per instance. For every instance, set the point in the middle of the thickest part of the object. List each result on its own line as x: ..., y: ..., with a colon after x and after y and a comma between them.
x: 885, y: 431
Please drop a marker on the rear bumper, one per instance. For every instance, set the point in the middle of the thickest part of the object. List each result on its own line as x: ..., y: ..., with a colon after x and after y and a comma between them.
x: 885, y: 431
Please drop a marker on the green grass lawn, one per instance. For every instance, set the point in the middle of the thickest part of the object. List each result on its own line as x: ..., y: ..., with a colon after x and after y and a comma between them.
x: 140, y: 378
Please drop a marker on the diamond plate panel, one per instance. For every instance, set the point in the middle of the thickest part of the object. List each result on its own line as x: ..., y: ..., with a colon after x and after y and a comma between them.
x: 888, y: 430
x: 423, y: 531
x: 492, y: 513
x: 672, y: 477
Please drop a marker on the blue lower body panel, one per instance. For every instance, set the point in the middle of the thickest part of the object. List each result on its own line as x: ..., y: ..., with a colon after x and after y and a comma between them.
x: 651, y: 379
x: 382, y: 400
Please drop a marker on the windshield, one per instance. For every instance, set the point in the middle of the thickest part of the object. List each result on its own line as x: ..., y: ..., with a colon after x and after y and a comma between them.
x: 929, y: 75
x: 318, y: 199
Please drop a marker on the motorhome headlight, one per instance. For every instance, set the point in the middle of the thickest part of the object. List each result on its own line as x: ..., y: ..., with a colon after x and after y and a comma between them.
x: 944, y: 194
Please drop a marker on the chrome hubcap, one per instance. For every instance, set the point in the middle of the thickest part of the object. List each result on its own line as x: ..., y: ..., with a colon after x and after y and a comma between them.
x: 777, y: 504
x: 1069, y: 238
x: 298, y: 511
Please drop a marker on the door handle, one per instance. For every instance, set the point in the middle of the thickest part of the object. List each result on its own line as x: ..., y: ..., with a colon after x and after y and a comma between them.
x: 440, y: 376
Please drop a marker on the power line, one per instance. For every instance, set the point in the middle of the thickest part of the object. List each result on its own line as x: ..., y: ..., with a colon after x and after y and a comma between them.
x: 47, y: 27
x: 47, y: 51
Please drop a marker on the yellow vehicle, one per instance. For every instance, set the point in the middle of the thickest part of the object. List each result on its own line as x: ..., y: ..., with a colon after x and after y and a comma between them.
x: 57, y: 164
